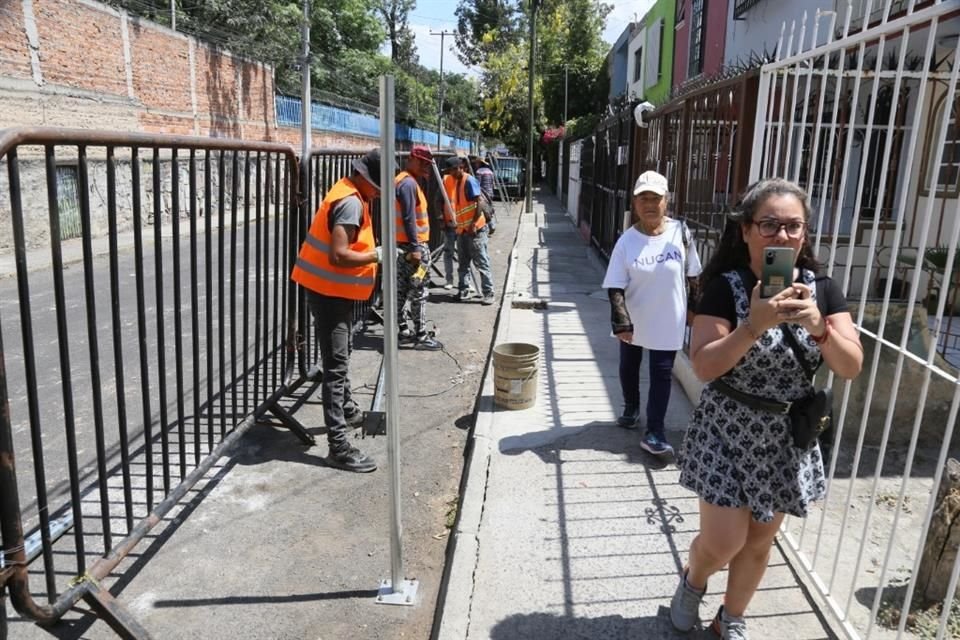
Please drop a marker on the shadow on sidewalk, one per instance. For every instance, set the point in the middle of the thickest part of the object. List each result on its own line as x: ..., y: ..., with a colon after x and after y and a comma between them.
x: 537, y: 626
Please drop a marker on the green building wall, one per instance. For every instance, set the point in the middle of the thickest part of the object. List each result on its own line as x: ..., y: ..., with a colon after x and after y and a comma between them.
x: 659, y: 93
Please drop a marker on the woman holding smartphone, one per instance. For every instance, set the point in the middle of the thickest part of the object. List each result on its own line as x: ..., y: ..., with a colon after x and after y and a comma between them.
x: 740, y: 460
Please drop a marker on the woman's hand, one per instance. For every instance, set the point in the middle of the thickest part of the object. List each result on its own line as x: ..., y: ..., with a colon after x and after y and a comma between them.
x: 625, y: 336
x: 765, y: 312
x: 798, y: 307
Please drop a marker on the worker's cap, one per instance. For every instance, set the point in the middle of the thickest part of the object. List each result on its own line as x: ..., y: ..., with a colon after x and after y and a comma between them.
x: 421, y: 152
x: 452, y: 162
x: 369, y: 167
x: 651, y: 181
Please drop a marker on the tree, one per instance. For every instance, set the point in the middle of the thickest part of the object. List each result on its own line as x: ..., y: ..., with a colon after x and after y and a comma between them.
x: 484, y: 27
x: 403, y: 50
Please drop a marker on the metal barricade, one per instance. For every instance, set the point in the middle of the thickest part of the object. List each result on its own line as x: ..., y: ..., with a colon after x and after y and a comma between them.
x: 133, y: 357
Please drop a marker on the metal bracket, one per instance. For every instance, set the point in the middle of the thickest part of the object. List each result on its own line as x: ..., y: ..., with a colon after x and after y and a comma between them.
x: 406, y: 596
x: 292, y: 424
x: 374, y: 423
x: 113, y: 613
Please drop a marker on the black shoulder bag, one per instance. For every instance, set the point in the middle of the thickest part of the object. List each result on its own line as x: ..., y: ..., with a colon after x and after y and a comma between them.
x: 812, y: 415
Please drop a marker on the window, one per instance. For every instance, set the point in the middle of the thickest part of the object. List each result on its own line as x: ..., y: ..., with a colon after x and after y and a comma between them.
x: 742, y: 6
x: 68, y: 202
x: 697, y: 32
x: 638, y: 64
x: 947, y: 174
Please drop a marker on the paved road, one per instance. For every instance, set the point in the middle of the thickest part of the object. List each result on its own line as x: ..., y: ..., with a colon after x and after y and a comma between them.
x: 275, y: 544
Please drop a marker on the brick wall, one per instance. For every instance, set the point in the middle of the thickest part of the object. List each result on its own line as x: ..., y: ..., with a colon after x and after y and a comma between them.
x: 14, y: 52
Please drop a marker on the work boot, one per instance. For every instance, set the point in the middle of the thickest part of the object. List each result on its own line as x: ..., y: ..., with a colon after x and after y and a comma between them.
x: 350, y: 458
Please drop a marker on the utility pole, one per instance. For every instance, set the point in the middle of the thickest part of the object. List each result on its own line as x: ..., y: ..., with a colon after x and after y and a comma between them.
x: 534, y: 5
x: 173, y: 14
x: 566, y: 91
x: 442, y: 34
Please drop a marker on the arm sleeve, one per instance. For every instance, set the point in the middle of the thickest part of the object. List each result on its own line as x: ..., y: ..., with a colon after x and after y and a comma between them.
x: 347, y: 212
x: 617, y: 276
x: 472, y: 188
x: 717, y: 300
x: 407, y: 197
x: 833, y: 299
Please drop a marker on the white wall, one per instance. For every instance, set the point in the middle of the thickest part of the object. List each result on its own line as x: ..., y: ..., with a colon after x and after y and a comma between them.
x: 573, y: 182
x: 634, y: 86
x: 759, y: 27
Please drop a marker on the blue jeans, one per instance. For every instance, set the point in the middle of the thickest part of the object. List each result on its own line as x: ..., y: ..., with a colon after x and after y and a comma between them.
x: 658, y: 397
x: 473, y: 247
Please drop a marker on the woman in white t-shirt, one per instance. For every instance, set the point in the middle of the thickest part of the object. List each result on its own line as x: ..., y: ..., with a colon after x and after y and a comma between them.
x: 648, y: 303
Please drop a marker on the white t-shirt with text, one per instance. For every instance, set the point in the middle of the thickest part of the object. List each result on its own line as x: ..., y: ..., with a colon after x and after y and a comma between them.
x: 650, y: 271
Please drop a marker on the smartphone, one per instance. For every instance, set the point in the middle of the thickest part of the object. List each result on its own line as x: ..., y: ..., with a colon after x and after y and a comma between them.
x: 777, y: 272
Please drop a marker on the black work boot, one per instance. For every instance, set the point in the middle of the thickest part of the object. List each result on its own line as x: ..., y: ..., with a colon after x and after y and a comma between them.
x: 350, y: 458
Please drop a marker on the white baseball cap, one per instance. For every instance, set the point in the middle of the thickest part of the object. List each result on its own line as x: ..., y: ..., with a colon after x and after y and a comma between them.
x: 651, y: 181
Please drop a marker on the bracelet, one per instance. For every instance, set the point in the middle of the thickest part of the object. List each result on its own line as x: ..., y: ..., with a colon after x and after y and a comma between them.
x: 826, y: 332
x: 749, y: 327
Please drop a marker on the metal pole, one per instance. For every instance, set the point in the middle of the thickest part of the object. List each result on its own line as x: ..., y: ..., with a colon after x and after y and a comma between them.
x: 442, y: 34
x: 534, y: 5
x: 396, y: 590
x: 173, y: 14
x: 306, y: 108
x: 566, y: 91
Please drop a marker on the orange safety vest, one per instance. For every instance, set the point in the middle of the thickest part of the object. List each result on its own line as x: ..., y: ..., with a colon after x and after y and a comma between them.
x: 464, y: 208
x: 422, y: 218
x: 314, y: 269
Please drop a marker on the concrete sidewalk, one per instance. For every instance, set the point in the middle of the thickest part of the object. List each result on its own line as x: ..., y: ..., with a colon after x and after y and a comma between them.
x: 568, y: 529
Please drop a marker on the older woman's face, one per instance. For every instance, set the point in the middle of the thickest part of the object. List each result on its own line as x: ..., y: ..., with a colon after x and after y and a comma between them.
x: 649, y: 208
x: 779, y: 221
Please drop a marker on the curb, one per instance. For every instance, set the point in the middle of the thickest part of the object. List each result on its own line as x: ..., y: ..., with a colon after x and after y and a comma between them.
x: 452, y: 621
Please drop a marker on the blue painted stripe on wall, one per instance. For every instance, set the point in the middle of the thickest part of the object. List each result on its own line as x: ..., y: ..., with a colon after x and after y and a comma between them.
x: 326, y: 118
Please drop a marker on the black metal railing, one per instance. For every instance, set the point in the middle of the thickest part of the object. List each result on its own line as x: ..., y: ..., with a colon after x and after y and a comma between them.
x: 132, y: 358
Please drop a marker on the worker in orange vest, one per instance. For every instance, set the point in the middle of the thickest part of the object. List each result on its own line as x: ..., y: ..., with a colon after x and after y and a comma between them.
x: 413, y: 236
x: 337, y: 266
x: 470, y: 226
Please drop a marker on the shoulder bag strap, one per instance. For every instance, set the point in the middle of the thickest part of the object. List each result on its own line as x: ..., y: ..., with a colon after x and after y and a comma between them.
x: 797, y: 351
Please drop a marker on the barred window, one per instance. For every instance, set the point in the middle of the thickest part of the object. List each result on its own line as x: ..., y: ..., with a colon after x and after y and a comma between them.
x: 697, y: 32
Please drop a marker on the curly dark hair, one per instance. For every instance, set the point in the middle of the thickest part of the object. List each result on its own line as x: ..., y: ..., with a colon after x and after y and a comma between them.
x: 732, y: 253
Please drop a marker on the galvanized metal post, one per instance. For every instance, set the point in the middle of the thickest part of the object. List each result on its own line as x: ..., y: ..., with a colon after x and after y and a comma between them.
x: 396, y: 590
x: 534, y: 5
x: 306, y: 110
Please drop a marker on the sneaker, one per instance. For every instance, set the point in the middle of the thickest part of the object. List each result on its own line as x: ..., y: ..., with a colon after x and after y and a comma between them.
x: 448, y: 286
x: 685, y: 605
x: 351, y: 459
x: 426, y: 342
x: 406, y: 335
x: 488, y: 299
x: 630, y: 418
x: 464, y: 295
x: 655, y: 444
x: 729, y: 627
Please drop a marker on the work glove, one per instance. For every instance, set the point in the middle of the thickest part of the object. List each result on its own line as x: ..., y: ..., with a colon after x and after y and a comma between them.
x: 379, y: 250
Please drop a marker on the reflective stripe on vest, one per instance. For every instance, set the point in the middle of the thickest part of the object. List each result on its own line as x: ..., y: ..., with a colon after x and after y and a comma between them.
x: 314, y: 270
x: 464, y: 208
x: 422, y: 221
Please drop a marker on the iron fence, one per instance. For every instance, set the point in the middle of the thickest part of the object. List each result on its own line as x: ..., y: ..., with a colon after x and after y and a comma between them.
x: 126, y: 370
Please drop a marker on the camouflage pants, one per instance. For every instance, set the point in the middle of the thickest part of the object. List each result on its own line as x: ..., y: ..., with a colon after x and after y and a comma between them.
x: 411, y: 289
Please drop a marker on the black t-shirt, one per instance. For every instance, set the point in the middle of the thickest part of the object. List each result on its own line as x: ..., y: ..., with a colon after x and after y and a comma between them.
x: 717, y: 297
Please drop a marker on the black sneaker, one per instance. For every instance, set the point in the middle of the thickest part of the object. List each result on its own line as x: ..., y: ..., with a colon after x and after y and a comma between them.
x: 426, y: 342
x: 630, y: 418
x: 351, y: 459
x: 406, y: 336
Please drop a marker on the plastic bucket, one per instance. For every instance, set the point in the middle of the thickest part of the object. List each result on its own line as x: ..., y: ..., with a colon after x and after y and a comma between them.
x: 515, y: 374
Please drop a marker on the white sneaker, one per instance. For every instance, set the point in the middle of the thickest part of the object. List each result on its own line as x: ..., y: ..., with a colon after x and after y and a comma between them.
x: 448, y: 286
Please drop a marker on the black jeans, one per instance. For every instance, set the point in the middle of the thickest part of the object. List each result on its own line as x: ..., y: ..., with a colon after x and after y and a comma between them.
x: 661, y: 369
x: 334, y: 321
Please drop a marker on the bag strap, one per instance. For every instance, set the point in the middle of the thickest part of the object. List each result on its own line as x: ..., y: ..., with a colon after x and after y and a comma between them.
x: 797, y: 351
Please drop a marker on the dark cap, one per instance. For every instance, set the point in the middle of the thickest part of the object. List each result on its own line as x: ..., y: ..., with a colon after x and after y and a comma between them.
x: 452, y: 162
x: 369, y: 167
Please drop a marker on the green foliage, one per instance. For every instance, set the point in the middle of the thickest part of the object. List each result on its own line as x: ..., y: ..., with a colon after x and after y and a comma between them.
x: 484, y: 27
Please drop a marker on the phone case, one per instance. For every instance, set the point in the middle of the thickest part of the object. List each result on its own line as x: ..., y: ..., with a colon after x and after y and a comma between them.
x: 777, y: 270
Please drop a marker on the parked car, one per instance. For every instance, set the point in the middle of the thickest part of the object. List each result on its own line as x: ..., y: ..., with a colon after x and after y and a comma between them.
x: 513, y: 173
